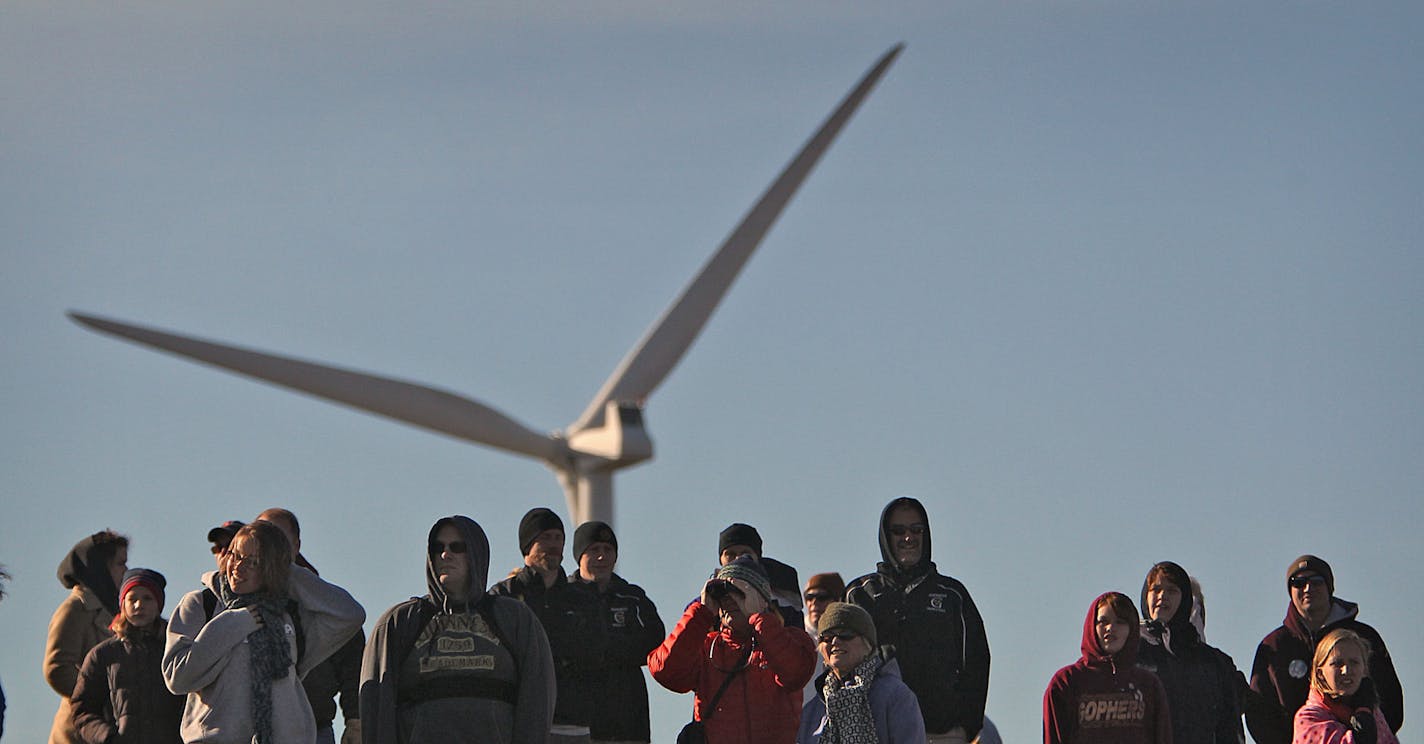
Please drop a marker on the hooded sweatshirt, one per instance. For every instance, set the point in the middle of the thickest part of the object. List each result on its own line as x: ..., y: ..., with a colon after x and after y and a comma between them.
x: 79, y: 624
x: 441, y: 671
x: 1106, y: 699
x: 1280, y: 673
x: 210, y: 660
x: 934, y: 628
x: 1200, y: 681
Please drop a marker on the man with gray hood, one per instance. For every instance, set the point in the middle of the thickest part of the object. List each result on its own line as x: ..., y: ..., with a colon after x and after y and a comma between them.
x: 931, y: 622
x: 457, y: 665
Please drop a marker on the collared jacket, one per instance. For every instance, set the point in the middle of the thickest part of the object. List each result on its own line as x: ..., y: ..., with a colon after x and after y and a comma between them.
x: 935, y: 631
x: 1105, y: 698
x: 1321, y: 721
x: 210, y: 661
x: 620, y: 694
x: 440, y: 672
x: 893, y: 707
x: 573, y: 620
x: 762, y: 705
x: 121, y: 697
x: 1280, y: 674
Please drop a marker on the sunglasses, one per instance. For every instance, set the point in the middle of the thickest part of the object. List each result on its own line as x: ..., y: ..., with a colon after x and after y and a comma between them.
x: 818, y: 596
x: 456, y: 547
x: 900, y: 530
x: 1301, y: 582
x: 843, y: 637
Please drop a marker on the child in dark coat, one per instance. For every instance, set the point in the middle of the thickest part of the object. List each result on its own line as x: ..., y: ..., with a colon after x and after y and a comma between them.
x: 121, y: 696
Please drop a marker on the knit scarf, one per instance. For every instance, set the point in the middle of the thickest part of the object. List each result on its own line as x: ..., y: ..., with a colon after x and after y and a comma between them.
x: 270, y: 657
x: 848, y: 716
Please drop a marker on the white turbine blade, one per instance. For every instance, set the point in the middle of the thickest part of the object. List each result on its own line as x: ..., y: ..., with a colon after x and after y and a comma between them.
x: 665, y: 342
x: 422, y: 406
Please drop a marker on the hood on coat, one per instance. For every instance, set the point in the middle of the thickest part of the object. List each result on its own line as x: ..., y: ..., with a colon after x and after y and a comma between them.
x: 1340, y: 610
x: 1180, y: 629
x: 86, y: 566
x: 477, y: 550
x: 887, y: 545
x: 1092, y: 648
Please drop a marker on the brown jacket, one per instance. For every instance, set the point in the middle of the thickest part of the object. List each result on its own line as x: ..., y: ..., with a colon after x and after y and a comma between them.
x: 80, y: 623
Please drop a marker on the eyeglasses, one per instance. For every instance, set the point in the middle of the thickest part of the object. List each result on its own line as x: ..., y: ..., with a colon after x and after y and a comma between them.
x: 826, y: 638
x: 237, y: 559
x: 818, y: 596
x: 456, y: 547
x: 900, y: 530
x: 217, y: 549
x: 1301, y: 582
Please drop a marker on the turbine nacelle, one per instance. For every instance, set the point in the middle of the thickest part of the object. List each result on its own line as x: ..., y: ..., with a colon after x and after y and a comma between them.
x: 620, y: 441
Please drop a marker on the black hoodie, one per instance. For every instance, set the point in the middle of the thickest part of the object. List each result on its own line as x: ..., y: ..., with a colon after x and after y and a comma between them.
x: 934, y: 627
x: 437, y: 670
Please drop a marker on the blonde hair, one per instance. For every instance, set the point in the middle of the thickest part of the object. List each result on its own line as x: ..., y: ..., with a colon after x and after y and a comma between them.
x: 1327, y: 645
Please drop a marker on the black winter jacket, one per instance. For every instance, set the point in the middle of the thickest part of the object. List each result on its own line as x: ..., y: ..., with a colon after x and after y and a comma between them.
x: 572, y: 619
x: 620, y: 693
x: 121, y: 697
x: 935, y: 629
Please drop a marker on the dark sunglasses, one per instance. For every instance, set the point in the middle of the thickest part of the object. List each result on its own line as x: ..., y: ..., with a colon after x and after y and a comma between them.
x: 457, y: 547
x: 844, y: 637
x: 818, y: 596
x: 900, y: 530
x: 1301, y: 582
x: 218, y: 549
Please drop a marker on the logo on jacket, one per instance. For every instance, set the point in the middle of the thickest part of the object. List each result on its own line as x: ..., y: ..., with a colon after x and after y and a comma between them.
x: 620, y: 616
x: 1298, y: 668
x: 937, y: 602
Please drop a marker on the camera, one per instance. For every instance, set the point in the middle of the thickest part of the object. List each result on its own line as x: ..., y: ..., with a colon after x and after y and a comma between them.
x: 717, y: 589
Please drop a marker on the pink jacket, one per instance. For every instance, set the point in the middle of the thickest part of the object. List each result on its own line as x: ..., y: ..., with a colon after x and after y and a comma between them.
x: 1321, y: 721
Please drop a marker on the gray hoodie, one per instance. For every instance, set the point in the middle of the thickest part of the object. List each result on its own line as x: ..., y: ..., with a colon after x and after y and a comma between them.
x: 209, y: 660
x: 439, y: 671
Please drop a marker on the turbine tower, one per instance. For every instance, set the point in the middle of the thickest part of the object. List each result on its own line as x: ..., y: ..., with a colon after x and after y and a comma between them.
x: 609, y: 435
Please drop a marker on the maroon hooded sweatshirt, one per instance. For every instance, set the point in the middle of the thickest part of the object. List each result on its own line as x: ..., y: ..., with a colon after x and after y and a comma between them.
x: 1102, y: 699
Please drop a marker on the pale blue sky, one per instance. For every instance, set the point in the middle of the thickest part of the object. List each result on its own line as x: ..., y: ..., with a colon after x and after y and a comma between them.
x: 1102, y: 283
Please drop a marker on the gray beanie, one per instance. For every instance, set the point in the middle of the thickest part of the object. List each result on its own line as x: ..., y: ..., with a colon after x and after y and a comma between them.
x: 747, y: 569
x: 851, y: 617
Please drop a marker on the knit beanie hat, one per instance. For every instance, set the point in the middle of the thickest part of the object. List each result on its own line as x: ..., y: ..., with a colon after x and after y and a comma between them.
x: 831, y: 583
x: 589, y: 533
x: 146, y: 578
x: 1313, y: 564
x: 536, y: 521
x: 739, y: 534
x: 747, y: 569
x: 850, y: 617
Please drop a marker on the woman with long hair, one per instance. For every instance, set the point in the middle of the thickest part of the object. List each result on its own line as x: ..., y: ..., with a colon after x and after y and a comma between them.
x: 240, y: 651
x: 1342, y: 706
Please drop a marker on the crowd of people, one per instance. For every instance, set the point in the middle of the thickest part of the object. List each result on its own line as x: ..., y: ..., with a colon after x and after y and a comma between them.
x: 266, y: 651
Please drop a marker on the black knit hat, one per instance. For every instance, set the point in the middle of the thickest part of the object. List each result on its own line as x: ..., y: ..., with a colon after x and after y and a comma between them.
x: 739, y: 534
x: 589, y: 533
x: 536, y: 521
x: 1313, y: 564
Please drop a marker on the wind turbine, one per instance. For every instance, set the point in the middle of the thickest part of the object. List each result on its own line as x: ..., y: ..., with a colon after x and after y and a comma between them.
x: 609, y: 435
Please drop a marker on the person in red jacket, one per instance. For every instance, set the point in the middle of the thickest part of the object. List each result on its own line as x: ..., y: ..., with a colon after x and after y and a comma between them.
x: 733, y: 629
x: 1105, y: 698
